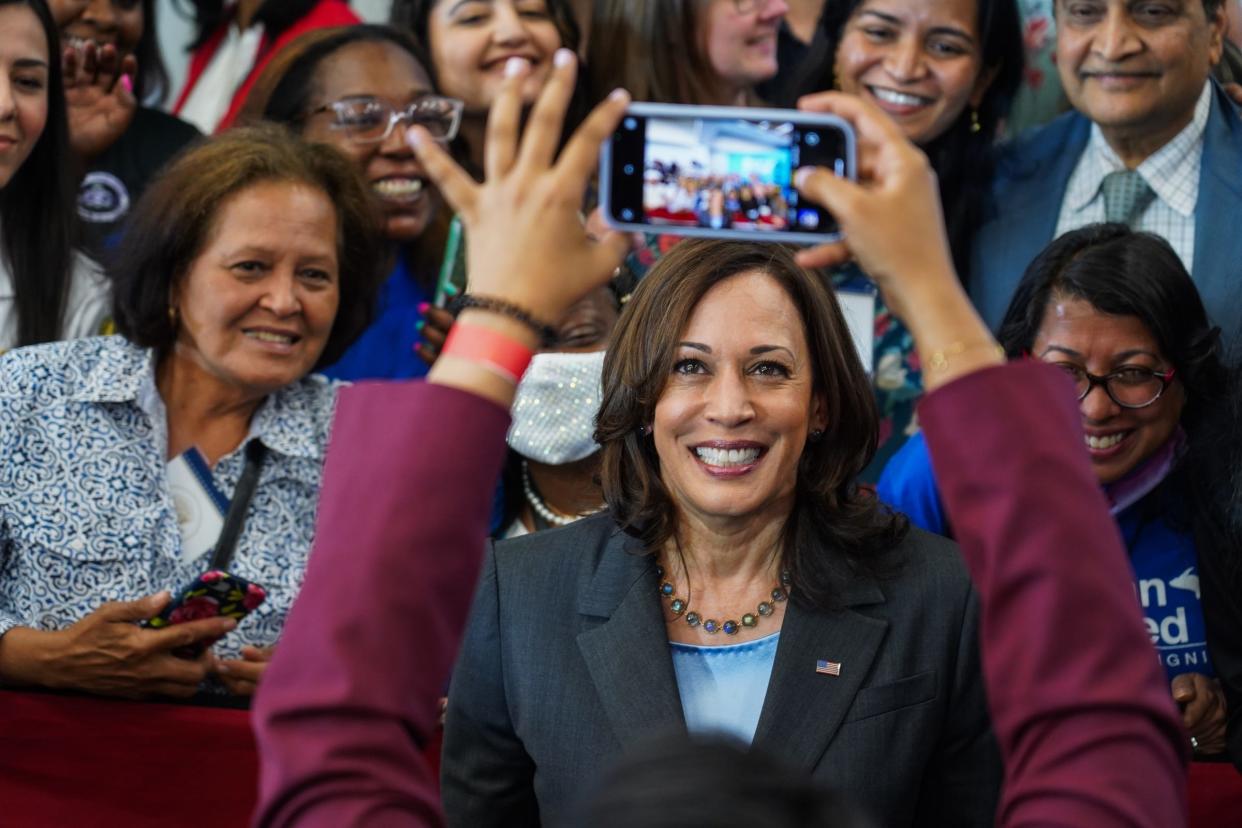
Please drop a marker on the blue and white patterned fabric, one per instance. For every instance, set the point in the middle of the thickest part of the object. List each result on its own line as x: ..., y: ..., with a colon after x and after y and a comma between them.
x: 85, y: 511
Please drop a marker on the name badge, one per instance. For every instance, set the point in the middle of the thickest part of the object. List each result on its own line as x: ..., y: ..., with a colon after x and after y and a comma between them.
x: 200, y: 506
x: 858, y: 307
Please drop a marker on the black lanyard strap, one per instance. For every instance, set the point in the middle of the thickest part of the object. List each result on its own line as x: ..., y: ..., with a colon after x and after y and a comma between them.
x: 222, y: 556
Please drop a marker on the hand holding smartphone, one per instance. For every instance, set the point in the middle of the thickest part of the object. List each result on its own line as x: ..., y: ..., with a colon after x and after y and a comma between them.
x: 722, y: 172
x: 213, y: 594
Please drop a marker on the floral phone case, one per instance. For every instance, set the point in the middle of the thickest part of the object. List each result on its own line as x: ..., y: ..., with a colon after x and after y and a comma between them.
x: 212, y: 594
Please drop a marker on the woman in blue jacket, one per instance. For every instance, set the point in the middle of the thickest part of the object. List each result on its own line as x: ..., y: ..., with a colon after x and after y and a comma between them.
x: 1117, y: 311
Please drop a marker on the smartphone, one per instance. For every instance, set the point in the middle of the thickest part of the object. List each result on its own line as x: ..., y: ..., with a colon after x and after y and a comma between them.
x: 452, y: 279
x: 214, y: 593
x: 721, y: 172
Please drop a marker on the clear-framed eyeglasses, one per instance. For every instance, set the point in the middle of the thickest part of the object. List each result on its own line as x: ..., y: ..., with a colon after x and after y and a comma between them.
x: 1130, y: 387
x: 366, y: 120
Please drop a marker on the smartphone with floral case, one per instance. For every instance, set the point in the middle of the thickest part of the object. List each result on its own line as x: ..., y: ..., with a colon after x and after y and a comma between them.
x: 213, y: 594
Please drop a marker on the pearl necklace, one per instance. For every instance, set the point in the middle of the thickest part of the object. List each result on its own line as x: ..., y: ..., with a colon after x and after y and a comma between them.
x: 542, y: 509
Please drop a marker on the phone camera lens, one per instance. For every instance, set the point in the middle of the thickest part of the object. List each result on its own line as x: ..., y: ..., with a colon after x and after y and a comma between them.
x: 628, y: 169
x: 627, y: 214
x: 631, y: 123
x: 812, y: 139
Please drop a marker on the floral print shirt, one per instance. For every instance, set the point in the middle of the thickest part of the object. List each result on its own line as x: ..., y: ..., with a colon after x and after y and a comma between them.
x: 85, y: 510
x: 896, y: 373
x: 1040, y: 98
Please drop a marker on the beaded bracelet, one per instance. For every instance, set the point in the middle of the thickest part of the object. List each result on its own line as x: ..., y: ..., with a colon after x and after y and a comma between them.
x: 500, y: 354
x: 545, y: 332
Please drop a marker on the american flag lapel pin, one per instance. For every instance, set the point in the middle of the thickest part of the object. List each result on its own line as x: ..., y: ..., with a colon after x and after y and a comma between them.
x: 828, y: 668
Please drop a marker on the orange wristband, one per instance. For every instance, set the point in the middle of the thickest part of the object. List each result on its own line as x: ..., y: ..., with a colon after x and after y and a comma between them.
x: 498, y: 353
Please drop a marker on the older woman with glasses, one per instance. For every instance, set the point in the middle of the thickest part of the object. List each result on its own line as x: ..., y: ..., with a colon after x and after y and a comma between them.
x: 358, y: 88
x: 1117, y: 312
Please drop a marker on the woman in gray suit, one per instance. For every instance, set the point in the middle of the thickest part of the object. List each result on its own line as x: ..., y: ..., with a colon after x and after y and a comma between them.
x: 740, y: 581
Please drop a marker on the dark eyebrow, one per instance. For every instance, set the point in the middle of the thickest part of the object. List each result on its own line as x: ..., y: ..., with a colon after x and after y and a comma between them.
x: 1124, y: 355
x: 765, y: 349
x: 460, y: 3
x: 1070, y: 352
x: 1119, y: 357
x: 30, y: 63
x: 887, y: 18
x: 896, y: 21
x: 697, y: 346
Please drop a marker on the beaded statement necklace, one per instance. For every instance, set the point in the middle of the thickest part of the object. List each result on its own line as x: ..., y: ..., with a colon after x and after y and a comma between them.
x: 542, y: 509
x: 731, y: 626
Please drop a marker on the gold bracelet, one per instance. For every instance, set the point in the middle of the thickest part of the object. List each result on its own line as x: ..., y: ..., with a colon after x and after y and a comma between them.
x: 939, y: 360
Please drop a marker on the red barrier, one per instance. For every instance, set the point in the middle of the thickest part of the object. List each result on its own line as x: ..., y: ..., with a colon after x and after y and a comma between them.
x: 1215, y: 793
x: 86, y: 762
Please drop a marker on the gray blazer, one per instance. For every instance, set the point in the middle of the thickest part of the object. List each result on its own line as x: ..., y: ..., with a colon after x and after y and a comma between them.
x: 566, y: 662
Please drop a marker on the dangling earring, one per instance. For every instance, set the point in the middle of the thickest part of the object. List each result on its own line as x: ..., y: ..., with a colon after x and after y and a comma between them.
x: 172, y: 316
x: 975, y: 126
x: 816, y: 435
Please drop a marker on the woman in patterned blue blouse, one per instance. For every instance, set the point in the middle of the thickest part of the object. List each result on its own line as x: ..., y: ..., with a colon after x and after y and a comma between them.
x: 252, y: 261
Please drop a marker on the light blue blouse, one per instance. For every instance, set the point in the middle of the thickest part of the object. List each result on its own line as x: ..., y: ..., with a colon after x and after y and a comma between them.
x: 722, y: 688
x: 85, y: 511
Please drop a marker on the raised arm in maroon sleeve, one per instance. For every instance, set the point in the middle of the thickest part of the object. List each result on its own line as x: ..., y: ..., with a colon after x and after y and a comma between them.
x: 351, y: 694
x: 1079, y: 703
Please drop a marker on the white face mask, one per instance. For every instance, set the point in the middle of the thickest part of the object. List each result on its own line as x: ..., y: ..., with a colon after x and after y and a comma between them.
x: 555, y: 408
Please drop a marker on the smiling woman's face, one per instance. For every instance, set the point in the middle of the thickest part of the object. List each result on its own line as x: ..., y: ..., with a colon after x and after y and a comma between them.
x: 471, y: 40
x: 1074, y: 334
x: 918, y: 60
x: 257, y: 304
x: 733, y: 418
x: 387, y: 73
x: 23, y: 87
x: 116, y: 23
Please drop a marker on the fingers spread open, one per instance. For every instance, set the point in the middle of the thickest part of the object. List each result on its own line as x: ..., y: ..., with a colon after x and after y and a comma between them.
x: 547, y: 119
x: 504, y: 121
x: 581, y: 155
x: 454, y: 183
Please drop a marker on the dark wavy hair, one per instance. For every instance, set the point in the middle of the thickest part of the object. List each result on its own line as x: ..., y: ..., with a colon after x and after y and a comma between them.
x: 171, y: 222
x: 961, y: 156
x: 37, y: 209
x: 831, y: 512
x: 1125, y: 273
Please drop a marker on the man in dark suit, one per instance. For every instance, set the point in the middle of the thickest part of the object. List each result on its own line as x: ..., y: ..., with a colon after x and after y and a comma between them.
x: 1153, y: 143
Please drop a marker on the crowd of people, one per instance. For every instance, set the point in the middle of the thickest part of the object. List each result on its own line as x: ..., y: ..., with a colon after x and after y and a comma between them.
x: 343, y: 310
x: 715, y: 201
